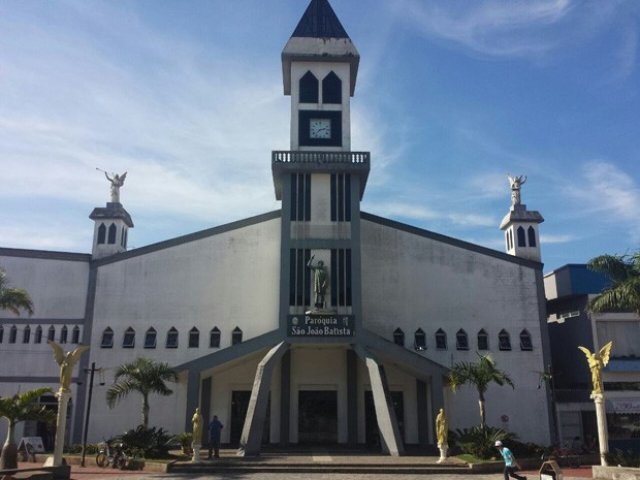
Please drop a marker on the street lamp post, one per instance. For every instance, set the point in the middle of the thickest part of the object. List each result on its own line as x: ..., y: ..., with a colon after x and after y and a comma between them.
x: 91, y: 371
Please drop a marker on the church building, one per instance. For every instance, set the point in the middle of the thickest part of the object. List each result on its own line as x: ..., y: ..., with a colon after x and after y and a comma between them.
x: 313, y: 324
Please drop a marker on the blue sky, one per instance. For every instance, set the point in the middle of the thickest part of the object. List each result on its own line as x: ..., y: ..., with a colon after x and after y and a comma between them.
x: 451, y: 97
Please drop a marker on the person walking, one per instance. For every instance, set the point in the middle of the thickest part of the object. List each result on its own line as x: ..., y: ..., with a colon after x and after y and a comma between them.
x: 215, y: 428
x: 510, y: 463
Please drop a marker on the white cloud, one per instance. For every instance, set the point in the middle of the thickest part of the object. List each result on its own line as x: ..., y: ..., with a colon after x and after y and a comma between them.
x: 557, y: 238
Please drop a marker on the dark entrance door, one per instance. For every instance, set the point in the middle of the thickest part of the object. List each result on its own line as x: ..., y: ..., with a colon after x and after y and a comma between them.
x: 239, y: 406
x: 372, y: 433
x: 318, y: 417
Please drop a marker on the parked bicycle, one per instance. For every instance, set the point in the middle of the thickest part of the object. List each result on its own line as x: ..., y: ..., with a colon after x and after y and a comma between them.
x: 111, y: 455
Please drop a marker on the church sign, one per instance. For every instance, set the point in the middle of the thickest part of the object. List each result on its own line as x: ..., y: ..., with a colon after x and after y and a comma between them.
x: 320, y: 325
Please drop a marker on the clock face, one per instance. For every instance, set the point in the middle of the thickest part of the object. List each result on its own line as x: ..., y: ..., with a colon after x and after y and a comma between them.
x: 320, y: 128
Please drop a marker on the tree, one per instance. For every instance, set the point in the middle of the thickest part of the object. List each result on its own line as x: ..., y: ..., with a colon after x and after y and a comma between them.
x: 624, y: 292
x: 16, y: 409
x: 480, y: 374
x: 13, y: 299
x: 144, y: 376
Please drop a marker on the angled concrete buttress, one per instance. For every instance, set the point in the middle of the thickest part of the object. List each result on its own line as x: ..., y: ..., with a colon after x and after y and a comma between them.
x: 387, y: 422
x: 251, y: 438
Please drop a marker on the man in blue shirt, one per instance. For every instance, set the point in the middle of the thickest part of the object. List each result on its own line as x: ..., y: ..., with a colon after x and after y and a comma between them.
x: 510, y: 463
x: 215, y: 427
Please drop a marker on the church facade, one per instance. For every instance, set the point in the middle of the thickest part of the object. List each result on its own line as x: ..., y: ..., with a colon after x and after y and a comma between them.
x: 314, y: 324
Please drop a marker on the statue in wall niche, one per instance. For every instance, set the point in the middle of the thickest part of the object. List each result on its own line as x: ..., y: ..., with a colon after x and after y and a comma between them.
x: 597, y: 361
x: 442, y: 433
x: 319, y: 281
x: 117, y: 181
x: 516, y: 183
x: 66, y: 361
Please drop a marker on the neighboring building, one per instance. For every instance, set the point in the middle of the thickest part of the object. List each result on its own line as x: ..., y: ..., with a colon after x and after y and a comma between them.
x: 568, y: 291
x: 338, y: 352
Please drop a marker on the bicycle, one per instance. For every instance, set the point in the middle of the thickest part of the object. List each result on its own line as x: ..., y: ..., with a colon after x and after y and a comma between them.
x: 111, y: 456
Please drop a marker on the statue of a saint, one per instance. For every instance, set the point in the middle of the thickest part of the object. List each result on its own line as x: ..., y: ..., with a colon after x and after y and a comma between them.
x: 116, y: 182
x: 597, y: 361
x: 442, y: 433
x: 319, y: 281
x: 196, y: 422
x: 516, y: 183
x: 66, y: 361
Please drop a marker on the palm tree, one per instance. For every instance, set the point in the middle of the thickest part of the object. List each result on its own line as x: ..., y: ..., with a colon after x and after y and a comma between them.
x: 144, y: 376
x: 479, y: 374
x: 13, y: 299
x: 17, y: 409
x: 624, y: 273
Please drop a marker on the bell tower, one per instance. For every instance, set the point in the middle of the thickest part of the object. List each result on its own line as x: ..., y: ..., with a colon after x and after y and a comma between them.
x: 520, y: 225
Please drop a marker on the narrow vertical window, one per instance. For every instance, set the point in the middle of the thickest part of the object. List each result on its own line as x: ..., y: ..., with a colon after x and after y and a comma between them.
x: 531, y: 233
x: 398, y: 337
x: 102, y: 234
x: 309, y: 87
x: 129, y: 339
x: 63, y: 334
x: 341, y: 294
x: 107, y: 338
x: 172, y: 338
x: 331, y: 89
x: 26, y: 334
x: 51, y: 334
x: 150, y: 337
x: 483, y: 340
x: 236, y: 336
x: 341, y: 197
x: 194, y: 338
x: 504, y: 342
x: 1, y: 333
x: 300, y: 197
x: 112, y: 234
x: 214, y: 338
x: 13, y: 334
x: 525, y: 341
x: 420, y: 340
x: 441, y: 340
x: 75, y: 334
x: 462, y: 341
x: 521, y: 239
x: 122, y: 238
x: 37, y: 338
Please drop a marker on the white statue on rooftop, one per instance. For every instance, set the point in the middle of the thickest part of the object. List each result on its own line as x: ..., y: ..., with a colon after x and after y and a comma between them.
x: 516, y: 183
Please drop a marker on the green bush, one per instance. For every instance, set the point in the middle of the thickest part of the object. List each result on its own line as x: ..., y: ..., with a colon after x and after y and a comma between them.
x: 147, y: 442
x: 479, y: 442
x: 623, y: 458
x: 76, y: 448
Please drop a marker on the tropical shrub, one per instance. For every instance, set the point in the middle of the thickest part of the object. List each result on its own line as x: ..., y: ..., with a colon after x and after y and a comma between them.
x: 479, y: 441
x: 622, y: 458
x: 147, y: 442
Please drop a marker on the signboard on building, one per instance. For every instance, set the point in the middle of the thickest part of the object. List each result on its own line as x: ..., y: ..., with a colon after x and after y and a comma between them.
x: 320, y: 325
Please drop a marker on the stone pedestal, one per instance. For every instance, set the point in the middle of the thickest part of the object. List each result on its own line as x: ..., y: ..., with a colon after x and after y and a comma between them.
x: 601, y: 419
x: 443, y: 453
x: 61, y: 427
x: 195, y: 458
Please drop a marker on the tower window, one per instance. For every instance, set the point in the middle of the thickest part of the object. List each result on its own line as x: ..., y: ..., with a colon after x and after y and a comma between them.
x: 462, y: 341
x: 172, y: 338
x: 483, y: 340
x: 420, y: 340
x: 107, y: 338
x: 194, y: 338
x: 299, y: 278
x: 300, y: 197
x: 531, y: 233
x: 340, y: 277
x: 129, y: 339
x: 122, y: 238
x: 504, y: 341
x: 112, y: 234
x: 521, y: 239
x: 341, y: 197
x: 51, y: 334
x: 37, y: 338
x: 1, y: 333
x: 63, y: 334
x: 26, y: 334
x: 236, y: 336
x: 398, y: 337
x: 332, y: 89
x: 441, y: 340
x: 309, y: 88
x: 214, y: 338
x: 75, y: 335
x: 13, y: 334
x: 102, y: 234
x: 150, y: 338
x: 525, y: 341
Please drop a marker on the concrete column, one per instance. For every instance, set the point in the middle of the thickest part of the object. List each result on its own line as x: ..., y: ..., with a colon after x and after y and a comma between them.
x: 601, y: 419
x: 251, y: 438
x: 61, y: 427
x: 352, y: 398
x: 285, y: 398
x: 423, y: 417
x: 193, y: 392
x: 386, y: 416
x: 437, y: 399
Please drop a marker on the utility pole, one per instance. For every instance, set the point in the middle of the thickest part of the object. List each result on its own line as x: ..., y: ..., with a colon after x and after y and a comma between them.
x: 91, y: 371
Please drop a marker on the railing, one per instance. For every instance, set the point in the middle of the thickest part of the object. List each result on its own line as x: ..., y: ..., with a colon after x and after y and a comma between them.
x: 287, y: 157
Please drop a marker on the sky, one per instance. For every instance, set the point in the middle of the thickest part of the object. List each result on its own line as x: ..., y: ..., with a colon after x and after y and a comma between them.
x: 451, y: 97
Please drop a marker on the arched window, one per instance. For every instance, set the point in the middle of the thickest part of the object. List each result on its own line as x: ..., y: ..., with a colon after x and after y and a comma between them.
x: 1, y: 333
x: 112, y: 234
x: 511, y: 238
x: 483, y: 340
x: 504, y: 342
x: 521, y: 239
x: 107, y: 338
x: 331, y: 89
x: 75, y: 334
x: 122, y: 238
x: 506, y: 239
x: 441, y: 340
x: 308, y: 88
x: 63, y: 334
x: 102, y: 234
x: 214, y: 338
x: 37, y: 338
x: 172, y: 338
x: 398, y: 337
x: 51, y: 334
x: 194, y: 338
x: 462, y: 341
x: 150, y: 338
x: 525, y: 340
x: 13, y: 334
x: 236, y: 336
x: 26, y: 334
x: 420, y: 340
x: 129, y: 338
x: 531, y: 233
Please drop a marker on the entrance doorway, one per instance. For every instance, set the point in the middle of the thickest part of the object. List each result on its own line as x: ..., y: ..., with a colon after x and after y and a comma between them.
x: 239, y: 406
x: 372, y: 432
x: 318, y: 417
